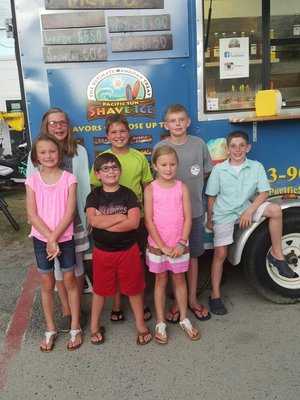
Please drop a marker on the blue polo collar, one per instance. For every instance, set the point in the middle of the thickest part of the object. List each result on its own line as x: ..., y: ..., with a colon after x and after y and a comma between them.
x: 226, y: 166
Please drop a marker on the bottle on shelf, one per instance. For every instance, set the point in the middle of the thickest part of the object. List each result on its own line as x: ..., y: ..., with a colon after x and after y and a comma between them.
x: 234, y: 95
x: 253, y: 53
x: 216, y: 47
x: 207, y: 53
x: 273, y: 49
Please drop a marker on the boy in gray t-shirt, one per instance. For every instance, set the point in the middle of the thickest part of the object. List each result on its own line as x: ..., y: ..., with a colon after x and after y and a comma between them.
x: 194, y: 165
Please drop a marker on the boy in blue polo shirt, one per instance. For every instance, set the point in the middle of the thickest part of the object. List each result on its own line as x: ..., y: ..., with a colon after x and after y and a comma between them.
x: 231, y: 186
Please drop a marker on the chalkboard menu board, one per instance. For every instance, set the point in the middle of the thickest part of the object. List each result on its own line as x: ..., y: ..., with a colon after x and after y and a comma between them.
x: 75, y: 53
x: 82, y: 19
x: 139, y: 23
x: 141, y: 43
x: 121, y: 34
x: 102, y: 4
x: 74, y: 36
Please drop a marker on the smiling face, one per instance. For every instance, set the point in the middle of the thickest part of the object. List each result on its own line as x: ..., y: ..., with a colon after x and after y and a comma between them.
x: 177, y: 123
x: 118, y: 135
x: 237, y: 150
x: 166, y: 166
x: 57, y: 125
x: 47, y: 153
x: 109, y: 174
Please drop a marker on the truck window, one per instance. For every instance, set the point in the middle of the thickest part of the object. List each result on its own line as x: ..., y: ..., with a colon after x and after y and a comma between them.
x: 242, y: 49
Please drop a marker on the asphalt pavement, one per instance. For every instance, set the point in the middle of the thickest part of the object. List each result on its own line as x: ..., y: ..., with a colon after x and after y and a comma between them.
x: 251, y: 353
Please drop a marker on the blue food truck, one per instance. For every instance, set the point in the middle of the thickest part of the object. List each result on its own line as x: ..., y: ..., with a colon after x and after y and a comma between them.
x: 95, y: 58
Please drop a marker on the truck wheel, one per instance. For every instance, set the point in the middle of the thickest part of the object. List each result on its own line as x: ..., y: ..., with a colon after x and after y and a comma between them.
x: 266, y: 279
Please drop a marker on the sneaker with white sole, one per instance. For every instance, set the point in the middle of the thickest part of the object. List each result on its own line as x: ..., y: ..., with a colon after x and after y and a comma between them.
x: 282, y: 267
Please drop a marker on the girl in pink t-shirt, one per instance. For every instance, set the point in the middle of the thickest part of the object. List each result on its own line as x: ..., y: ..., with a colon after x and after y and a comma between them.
x: 51, y: 200
x: 168, y: 220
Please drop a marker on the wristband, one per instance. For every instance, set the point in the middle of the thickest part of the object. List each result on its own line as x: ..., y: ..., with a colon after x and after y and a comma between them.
x: 180, y: 244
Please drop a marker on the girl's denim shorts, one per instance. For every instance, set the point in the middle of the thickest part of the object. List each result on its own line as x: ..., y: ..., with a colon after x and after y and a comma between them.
x: 66, y: 258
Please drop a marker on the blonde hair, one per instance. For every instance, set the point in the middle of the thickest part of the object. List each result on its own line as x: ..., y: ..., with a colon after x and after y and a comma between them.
x: 69, y: 145
x: 163, y: 151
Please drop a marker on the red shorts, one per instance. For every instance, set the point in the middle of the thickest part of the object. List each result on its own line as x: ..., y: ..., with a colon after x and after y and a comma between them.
x: 113, y: 270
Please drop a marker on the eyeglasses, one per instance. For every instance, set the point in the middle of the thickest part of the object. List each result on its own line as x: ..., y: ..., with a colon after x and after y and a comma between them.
x: 106, y: 168
x: 57, y: 123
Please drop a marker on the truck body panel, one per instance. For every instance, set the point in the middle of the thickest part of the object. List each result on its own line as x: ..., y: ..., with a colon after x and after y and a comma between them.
x: 137, y: 61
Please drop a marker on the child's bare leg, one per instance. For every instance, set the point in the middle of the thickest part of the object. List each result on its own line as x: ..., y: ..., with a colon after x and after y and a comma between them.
x: 79, y: 272
x: 74, y: 302
x: 274, y: 213
x: 219, y: 256
x: 47, y: 290
x: 73, y: 297
x: 136, y: 303
x: 80, y: 285
x: 97, y: 307
x: 161, y: 281
x: 117, y: 301
x: 180, y: 291
x: 63, y: 297
x: 192, y: 275
x: 117, y: 313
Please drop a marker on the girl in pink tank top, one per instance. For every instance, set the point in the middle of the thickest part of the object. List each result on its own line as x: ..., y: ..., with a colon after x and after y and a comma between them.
x: 168, y: 220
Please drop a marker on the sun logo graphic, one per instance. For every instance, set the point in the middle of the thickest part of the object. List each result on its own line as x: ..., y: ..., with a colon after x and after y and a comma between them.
x: 119, y: 91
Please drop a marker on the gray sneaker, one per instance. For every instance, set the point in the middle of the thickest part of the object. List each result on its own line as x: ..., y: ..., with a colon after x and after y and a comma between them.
x: 282, y: 267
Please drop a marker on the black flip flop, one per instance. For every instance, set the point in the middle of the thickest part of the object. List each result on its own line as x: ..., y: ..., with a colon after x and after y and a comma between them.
x: 174, y: 314
x: 203, y: 318
x: 119, y: 316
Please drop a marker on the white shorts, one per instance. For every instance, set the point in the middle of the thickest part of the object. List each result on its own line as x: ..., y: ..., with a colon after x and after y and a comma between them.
x: 223, y: 233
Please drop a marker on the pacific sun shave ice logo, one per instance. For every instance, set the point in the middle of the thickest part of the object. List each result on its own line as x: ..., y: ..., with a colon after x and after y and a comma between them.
x: 119, y: 91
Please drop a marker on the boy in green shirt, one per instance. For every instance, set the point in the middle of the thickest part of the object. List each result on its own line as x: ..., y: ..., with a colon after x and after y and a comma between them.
x: 136, y: 174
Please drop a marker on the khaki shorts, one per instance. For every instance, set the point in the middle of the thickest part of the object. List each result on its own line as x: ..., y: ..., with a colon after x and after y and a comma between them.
x: 223, y: 233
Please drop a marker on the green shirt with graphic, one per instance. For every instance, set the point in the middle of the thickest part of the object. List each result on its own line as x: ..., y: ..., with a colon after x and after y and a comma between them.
x: 135, y: 171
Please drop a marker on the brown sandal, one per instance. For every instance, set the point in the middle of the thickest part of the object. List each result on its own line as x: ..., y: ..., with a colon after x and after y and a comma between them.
x: 161, y: 336
x: 74, y: 333
x: 191, y: 332
x: 98, y: 337
x: 50, y: 338
x: 143, y: 338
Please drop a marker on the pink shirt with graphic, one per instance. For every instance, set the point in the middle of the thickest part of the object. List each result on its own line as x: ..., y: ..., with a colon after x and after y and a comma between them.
x: 51, y: 202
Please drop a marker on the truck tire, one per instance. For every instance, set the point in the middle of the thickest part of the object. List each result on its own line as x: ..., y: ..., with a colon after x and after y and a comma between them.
x: 265, y: 279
